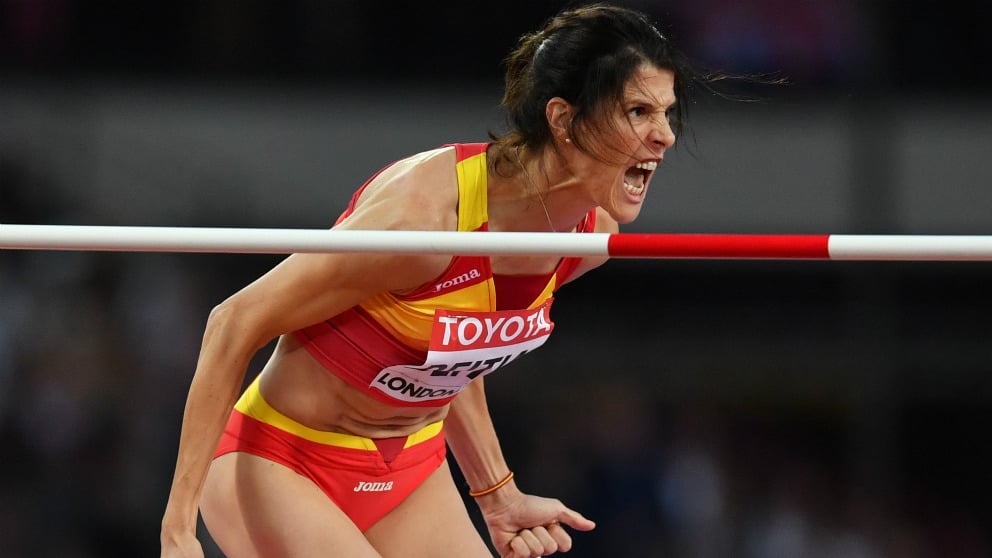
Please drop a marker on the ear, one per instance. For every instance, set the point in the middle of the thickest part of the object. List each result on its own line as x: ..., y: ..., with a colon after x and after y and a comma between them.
x: 559, y: 114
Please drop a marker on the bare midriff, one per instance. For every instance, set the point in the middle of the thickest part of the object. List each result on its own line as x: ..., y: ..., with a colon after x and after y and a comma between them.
x: 299, y: 387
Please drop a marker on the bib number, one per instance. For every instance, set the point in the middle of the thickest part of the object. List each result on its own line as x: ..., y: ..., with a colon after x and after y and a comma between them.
x: 465, y: 346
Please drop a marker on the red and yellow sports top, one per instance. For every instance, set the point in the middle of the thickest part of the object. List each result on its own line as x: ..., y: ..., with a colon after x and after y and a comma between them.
x: 422, y: 347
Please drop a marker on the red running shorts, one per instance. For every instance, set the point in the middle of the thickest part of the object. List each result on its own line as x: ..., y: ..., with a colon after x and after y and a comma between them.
x: 366, y: 478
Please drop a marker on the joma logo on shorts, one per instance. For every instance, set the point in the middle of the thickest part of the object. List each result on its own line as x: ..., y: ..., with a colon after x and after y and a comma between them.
x: 374, y: 486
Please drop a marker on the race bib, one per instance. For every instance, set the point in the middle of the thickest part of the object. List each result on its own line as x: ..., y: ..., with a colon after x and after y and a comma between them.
x: 465, y: 346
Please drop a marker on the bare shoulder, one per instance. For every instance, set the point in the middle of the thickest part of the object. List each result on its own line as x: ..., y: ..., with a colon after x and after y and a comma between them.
x: 419, y: 192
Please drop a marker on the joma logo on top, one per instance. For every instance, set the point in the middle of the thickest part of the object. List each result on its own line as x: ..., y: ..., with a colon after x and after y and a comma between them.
x: 463, y: 278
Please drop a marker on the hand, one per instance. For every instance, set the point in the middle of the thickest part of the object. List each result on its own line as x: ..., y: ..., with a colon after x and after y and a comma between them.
x: 525, y: 526
x: 181, y: 546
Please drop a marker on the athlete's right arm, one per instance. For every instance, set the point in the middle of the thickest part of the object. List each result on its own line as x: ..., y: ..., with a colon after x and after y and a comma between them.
x: 303, y: 289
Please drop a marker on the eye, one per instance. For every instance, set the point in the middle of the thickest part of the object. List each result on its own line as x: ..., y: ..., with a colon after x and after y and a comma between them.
x: 637, y: 112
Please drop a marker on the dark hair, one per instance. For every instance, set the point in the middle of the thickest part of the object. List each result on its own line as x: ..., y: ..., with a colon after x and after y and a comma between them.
x: 586, y: 55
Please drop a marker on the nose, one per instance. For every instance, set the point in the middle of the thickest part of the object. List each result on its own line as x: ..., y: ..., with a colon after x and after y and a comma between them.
x: 661, y: 134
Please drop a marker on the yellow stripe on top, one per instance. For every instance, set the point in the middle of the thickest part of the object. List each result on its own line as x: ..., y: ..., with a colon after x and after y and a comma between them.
x: 255, y: 406
x: 473, y: 192
x: 548, y: 292
x: 410, y: 321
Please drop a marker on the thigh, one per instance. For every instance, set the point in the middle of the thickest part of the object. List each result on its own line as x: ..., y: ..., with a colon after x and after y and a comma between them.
x: 431, y: 522
x: 254, y: 507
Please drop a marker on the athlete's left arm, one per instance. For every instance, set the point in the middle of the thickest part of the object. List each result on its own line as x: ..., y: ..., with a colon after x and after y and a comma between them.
x: 604, y: 224
x: 519, y: 524
x: 472, y: 439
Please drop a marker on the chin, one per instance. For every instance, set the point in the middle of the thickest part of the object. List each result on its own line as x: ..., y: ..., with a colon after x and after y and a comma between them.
x: 625, y: 216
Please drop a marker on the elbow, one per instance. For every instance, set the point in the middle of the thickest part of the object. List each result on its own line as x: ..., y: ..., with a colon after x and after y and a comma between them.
x: 234, y: 327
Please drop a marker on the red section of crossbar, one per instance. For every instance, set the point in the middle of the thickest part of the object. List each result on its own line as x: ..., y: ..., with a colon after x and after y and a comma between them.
x: 757, y: 246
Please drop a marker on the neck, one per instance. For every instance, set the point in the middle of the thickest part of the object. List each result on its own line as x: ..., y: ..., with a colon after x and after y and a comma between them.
x: 535, y: 191
x: 514, y: 205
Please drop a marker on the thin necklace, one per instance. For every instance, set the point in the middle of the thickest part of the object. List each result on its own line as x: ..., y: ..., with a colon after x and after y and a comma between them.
x: 537, y: 192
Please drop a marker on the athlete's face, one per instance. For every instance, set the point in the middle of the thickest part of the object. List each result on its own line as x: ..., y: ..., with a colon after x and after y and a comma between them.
x: 634, y: 142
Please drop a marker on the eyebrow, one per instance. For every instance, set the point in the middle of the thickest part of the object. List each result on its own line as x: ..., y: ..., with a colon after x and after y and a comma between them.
x: 645, y: 99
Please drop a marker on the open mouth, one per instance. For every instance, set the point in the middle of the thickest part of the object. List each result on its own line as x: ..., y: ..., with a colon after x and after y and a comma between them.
x: 635, y: 180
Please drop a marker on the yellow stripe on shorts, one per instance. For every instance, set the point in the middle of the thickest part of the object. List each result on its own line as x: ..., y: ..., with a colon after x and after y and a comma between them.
x: 255, y: 406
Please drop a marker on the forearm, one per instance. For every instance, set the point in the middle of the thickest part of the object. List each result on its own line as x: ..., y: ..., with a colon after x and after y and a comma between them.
x: 519, y: 524
x: 472, y: 438
x: 212, y: 393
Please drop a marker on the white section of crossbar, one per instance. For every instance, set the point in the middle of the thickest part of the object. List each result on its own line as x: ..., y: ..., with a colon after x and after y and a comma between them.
x: 910, y: 247
x: 284, y: 241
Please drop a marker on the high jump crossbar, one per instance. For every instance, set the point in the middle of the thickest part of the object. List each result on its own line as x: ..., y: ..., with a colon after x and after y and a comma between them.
x: 619, y: 245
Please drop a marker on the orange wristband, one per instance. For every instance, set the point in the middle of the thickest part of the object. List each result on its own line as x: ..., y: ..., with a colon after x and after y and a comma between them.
x: 492, y: 488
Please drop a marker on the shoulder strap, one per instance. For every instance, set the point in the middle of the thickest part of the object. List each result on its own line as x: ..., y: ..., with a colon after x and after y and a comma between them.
x: 568, y: 265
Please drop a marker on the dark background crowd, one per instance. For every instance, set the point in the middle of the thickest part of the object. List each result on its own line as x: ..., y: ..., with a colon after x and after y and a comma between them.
x: 694, y: 409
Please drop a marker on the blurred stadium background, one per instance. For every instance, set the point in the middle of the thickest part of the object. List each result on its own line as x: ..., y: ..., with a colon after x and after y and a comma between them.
x: 694, y: 409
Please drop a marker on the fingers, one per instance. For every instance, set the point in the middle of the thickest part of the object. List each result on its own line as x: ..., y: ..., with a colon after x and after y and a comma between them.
x: 561, y: 536
x: 541, y: 541
x: 547, y: 537
x: 527, y: 545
